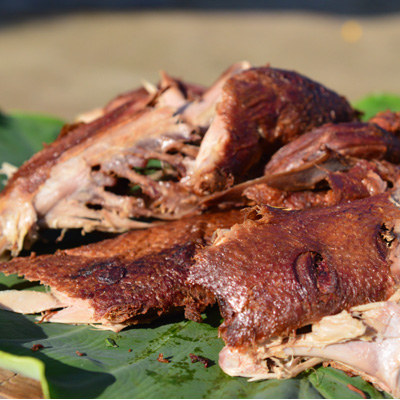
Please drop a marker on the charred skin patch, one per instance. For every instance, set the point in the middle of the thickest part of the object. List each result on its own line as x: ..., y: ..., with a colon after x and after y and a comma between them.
x: 111, y: 275
x: 110, y: 272
x: 135, y: 277
x: 315, y: 274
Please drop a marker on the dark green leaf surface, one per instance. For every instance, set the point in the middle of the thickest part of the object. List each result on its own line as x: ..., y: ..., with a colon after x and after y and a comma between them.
x: 334, y: 384
x: 22, y: 135
x: 378, y: 102
x: 106, y: 371
x: 114, y: 372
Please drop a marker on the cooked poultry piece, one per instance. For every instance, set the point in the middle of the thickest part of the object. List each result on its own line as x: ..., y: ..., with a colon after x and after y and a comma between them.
x: 260, y: 110
x: 288, y: 269
x: 151, y: 157
x: 280, y: 271
x: 362, y: 179
x: 360, y: 140
x: 329, y: 180
x: 133, y: 278
x: 364, y: 341
x: 388, y: 120
x: 104, y: 174
x: 329, y: 165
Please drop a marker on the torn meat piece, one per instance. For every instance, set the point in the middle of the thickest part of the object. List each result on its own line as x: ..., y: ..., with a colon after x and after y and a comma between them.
x: 362, y: 180
x: 388, y: 120
x: 363, y: 341
x: 145, y: 159
x: 195, y: 358
x: 161, y: 359
x: 333, y: 180
x: 108, y: 174
x: 260, y: 110
x: 71, y: 183
x: 281, y: 270
x: 355, y: 139
x: 37, y: 347
x: 131, y: 279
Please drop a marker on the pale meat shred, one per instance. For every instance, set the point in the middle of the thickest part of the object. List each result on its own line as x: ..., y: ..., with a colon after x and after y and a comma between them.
x: 67, y: 309
x: 28, y: 302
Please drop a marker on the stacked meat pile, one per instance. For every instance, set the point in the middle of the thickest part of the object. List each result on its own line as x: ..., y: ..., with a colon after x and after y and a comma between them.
x: 263, y: 192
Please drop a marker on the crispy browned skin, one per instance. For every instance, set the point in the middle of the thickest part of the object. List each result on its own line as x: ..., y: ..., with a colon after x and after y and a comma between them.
x: 281, y: 270
x: 134, y: 277
x: 280, y: 104
x: 262, y: 109
x: 388, y: 120
x: 355, y: 139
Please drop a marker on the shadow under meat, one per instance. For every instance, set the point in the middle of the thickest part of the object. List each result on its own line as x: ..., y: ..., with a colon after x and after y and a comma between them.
x: 65, y: 381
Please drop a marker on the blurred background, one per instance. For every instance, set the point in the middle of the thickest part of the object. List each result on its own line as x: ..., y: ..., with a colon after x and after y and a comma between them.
x: 67, y: 56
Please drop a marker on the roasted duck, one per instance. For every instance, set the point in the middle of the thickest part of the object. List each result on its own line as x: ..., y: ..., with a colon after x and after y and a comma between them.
x: 154, y: 156
x: 134, y: 278
x: 317, y: 251
x: 260, y: 110
x: 281, y: 271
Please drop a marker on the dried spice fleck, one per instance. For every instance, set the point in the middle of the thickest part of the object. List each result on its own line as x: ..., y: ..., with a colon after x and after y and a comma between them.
x: 37, y: 347
x: 78, y: 353
x: 203, y: 360
x: 162, y: 359
x: 111, y: 342
x: 357, y: 390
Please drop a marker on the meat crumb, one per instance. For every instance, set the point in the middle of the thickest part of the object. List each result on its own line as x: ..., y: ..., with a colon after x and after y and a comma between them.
x: 78, y: 353
x: 204, y: 360
x: 162, y: 359
x: 37, y: 347
x: 357, y: 390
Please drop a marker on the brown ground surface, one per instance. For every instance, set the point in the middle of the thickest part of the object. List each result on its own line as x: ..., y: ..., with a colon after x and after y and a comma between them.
x: 14, y: 386
x: 68, y: 64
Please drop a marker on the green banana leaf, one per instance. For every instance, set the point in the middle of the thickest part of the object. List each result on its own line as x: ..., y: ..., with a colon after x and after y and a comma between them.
x: 377, y: 102
x: 22, y: 135
x: 82, y: 362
